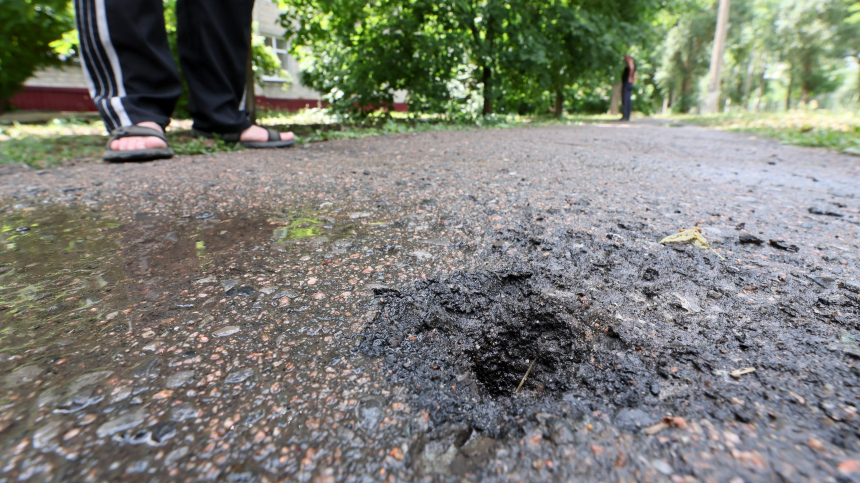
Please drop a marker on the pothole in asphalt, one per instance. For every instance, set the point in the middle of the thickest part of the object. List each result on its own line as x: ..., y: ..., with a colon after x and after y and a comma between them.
x: 468, y: 342
x: 618, y: 327
x: 518, y: 335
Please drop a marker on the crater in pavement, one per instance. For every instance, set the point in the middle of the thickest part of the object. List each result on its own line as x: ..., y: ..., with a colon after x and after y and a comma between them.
x: 623, y: 327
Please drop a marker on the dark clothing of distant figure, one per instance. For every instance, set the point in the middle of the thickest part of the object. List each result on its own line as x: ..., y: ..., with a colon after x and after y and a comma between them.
x: 131, y: 73
x: 626, y: 91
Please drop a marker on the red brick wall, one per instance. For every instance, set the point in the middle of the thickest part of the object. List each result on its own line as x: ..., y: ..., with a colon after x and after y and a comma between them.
x: 53, y: 99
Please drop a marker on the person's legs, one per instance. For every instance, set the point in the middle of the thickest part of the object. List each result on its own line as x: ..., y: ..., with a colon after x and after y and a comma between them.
x: 626, y: 92
x: 213, y: 38
x: 214, y: 44
x: 129, y: 68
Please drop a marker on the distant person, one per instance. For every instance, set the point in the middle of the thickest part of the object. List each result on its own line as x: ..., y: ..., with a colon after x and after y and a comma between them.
x: 134, y: 82
x: 627, y: 80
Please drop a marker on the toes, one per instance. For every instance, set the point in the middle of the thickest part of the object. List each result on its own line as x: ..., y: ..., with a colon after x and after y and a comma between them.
x: 137, y: 143
x: 286, y: 136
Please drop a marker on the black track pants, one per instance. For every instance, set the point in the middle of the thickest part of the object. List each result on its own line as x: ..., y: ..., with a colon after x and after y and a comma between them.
x: 132, y: 75
x: 626, y: 92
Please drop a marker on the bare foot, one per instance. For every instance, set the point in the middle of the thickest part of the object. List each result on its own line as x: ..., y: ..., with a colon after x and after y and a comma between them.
x: 139, y: 142
x: 257, y: 133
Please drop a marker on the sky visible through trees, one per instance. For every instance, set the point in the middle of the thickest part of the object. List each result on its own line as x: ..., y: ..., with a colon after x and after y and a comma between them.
x: 470, y: 58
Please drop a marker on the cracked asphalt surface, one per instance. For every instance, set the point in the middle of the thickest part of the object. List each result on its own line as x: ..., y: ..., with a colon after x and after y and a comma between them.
x: 365, y: 310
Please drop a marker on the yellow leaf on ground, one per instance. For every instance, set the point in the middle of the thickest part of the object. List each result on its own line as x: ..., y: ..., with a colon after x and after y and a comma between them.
x: 691, y: 236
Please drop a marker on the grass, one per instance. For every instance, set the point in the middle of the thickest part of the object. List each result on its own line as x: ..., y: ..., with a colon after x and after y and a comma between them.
x: 70, y: 141
x: 79, y: 140
x: 76, y: 140
x: 821, y: 129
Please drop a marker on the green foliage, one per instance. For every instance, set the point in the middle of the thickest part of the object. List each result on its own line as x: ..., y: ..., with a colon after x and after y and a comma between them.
x: 839, y: 133
x: 459, y: 57
x: 83, y: 140
x: 567, y: 49
x: 359, y: 53
x: 264, y: 62
x: 811, y: 44
x: 854, y: 10
x: 686, y: 54
x: 787, y: 48
x: 29, y: 28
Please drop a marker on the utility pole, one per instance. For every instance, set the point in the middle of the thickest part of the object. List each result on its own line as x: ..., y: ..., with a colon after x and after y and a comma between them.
x: 713, y: 99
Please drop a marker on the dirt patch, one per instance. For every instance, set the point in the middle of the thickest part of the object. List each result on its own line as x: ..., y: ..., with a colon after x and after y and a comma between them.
x: 620, y: 326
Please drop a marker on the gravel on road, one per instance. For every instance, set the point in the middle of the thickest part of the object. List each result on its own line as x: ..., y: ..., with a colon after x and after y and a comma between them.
x: 465, y: 305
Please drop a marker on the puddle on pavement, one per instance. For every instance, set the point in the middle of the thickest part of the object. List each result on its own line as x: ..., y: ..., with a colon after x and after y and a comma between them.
x: 296, y: 228
x: 58, y: 271
x: 128, y: 334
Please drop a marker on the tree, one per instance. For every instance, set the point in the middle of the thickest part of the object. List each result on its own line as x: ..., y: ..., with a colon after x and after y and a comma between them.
x: 576, y: 42
x: 29, y: 28
x: 811, y: 45
x: 849, y: 31
x: 712, y: 100
x: 359, y: 53
x: 685, y: 55
x: 447, y: 53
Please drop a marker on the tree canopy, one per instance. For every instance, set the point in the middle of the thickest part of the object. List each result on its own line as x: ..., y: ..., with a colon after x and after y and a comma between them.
x: 459, y: 56
x: 466, y: 58
x: 29, y: 27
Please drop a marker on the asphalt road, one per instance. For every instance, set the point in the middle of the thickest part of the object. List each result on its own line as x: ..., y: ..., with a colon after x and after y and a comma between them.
x: 365, y: 310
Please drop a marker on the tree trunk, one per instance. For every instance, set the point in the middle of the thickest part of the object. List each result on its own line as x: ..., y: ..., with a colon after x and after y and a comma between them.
x: 760, y: 91
x: 615, y: 100
x: 559, y: 102
x: 487, y: 74
x: 788, y: 94
x: 804, y: 84
x: 487, y: 79
x: 687, y: 80
x: 745, y: 97
x: 712, y: 100
x: 686, y: 84
x: 250, y: 95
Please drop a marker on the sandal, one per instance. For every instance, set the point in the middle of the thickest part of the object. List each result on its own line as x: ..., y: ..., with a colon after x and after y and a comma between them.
x: 112, y: 156
x: 274, y: 140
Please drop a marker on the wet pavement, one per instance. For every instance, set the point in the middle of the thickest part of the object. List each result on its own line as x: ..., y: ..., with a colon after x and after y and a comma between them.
x: 474, y: 305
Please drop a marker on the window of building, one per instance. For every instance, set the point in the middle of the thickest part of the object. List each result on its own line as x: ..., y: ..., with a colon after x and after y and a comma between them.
x: 280, y: 47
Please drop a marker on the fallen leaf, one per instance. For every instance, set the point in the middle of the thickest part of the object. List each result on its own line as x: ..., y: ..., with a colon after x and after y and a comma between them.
x: 690, y: 236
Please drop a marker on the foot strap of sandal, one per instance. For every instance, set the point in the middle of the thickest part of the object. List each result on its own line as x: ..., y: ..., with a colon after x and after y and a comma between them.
x: 233, y: 137
x: 135, y: 131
